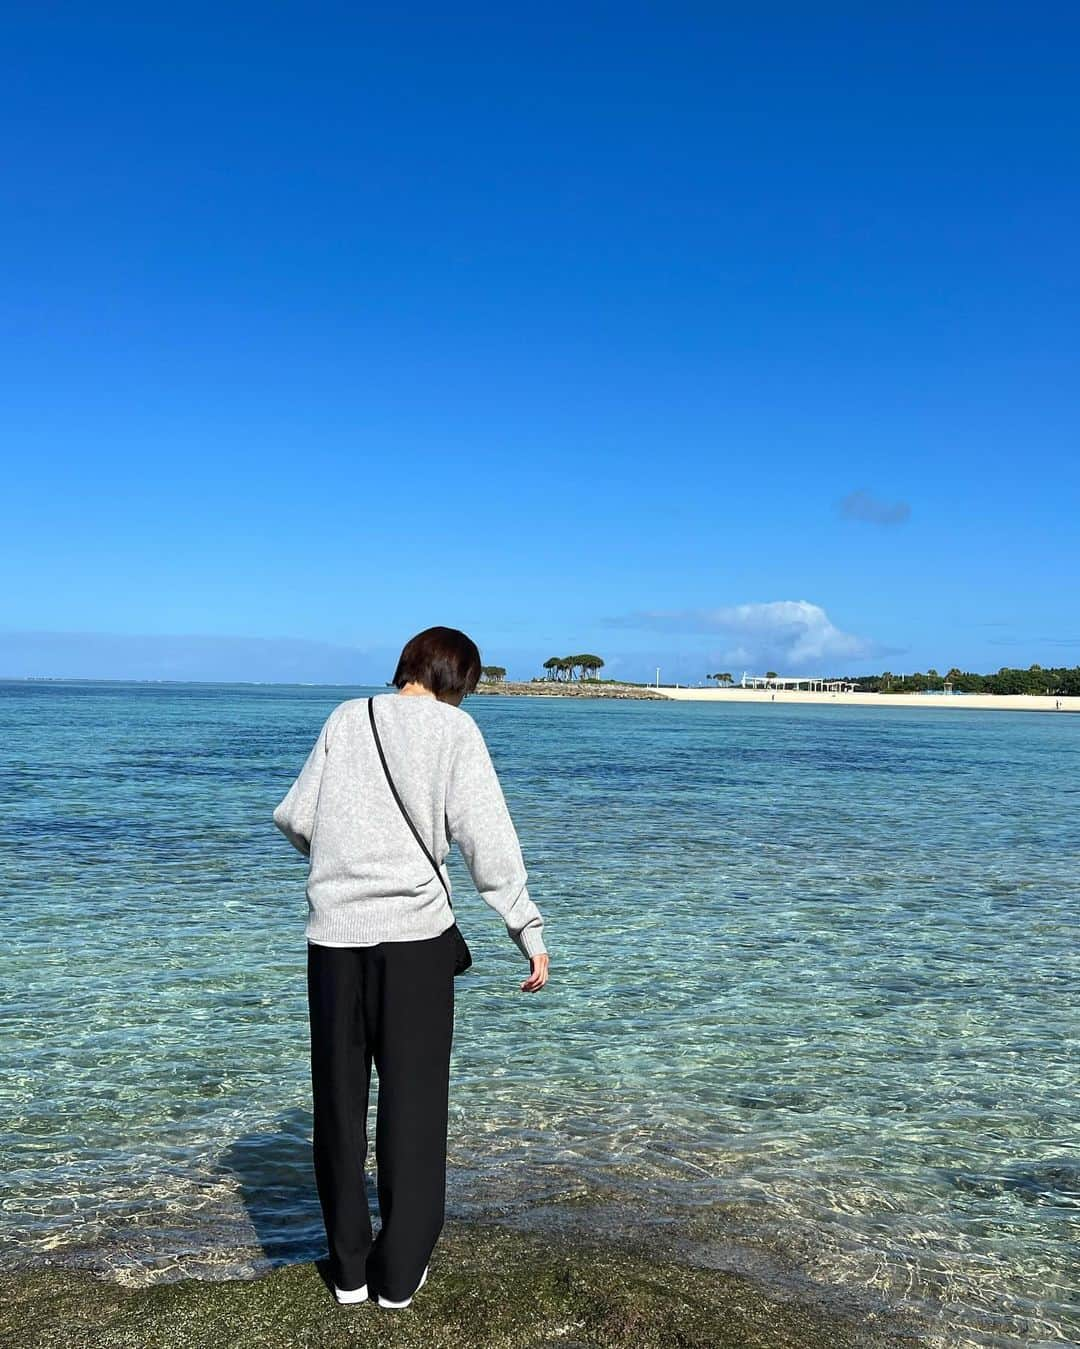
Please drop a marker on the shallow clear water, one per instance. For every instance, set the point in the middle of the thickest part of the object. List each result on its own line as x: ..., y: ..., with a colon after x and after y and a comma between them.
x: 813, y: 1006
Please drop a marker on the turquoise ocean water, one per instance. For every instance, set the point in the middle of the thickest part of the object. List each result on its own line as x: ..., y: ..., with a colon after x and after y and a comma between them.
x: 813, y: 1007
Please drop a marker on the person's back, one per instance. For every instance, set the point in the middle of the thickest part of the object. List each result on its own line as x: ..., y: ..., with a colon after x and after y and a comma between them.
x: 369, y: 880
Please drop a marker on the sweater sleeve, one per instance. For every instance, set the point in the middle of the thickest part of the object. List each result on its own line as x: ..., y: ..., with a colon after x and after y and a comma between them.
x: 294, y: 815
x: 479, y: 823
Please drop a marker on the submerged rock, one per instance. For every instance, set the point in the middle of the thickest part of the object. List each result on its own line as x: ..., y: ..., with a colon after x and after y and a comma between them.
x: 490, y: 1287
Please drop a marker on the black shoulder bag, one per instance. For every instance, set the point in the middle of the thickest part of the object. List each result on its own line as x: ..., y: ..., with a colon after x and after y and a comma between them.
x: 463, y: 956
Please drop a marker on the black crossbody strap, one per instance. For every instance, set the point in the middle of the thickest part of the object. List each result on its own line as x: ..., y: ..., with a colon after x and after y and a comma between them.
x: 401, y: 804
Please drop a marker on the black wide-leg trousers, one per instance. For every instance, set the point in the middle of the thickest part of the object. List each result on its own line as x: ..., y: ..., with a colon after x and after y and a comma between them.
x: 392, y: 1004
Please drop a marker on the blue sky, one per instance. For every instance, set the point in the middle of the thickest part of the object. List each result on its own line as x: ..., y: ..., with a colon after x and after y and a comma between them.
x: 700, y: 336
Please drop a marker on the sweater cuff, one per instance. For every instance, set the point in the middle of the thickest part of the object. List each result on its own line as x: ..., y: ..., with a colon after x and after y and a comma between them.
x: 530, y: 941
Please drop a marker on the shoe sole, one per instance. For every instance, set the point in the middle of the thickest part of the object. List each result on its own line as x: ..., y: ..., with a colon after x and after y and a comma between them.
x: 396, y: 1306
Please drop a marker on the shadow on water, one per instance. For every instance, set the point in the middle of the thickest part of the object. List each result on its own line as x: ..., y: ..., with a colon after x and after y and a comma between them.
x: 275, y: 1182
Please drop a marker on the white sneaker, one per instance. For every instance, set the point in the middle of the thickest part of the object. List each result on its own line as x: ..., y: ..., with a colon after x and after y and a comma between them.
x: 385, y: 1301
x: 351, y: 1295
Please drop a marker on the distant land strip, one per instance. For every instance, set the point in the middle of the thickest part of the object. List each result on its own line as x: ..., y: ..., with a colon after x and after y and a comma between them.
x: 568, y: 688
x: 588, y: 688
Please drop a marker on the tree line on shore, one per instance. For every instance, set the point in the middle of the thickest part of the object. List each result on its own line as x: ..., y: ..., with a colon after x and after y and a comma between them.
x: 1035, y: 679
x: 583, y: 666
x: 1061, y: 680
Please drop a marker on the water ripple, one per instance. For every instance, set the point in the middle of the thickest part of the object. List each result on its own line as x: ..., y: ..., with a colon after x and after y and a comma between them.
x: 813, y: 999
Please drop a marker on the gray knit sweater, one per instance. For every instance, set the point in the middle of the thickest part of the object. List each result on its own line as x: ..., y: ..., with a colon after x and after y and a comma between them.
x: 368, y: 879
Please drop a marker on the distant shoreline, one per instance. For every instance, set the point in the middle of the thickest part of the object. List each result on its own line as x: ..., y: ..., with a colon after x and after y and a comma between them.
x: 571, y: 688
x: 583, y: 688
x: 994, y: 702
x: 997, y: 702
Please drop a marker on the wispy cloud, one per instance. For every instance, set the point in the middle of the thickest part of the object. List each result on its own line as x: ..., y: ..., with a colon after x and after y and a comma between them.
x: 790, y: 635
x: 1033, y: 641
x: 862, y: 506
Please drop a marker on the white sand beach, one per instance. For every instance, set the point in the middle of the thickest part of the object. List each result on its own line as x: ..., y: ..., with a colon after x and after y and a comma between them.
x: 1021, y: 702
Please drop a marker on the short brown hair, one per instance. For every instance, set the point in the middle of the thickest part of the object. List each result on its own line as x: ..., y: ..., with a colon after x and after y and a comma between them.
x: 444, y: 660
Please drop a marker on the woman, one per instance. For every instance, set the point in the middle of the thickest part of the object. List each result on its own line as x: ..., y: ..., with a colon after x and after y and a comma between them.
x: 381, y: 948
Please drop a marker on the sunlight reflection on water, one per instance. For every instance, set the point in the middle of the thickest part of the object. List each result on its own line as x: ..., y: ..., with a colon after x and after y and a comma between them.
x: 813, y: 990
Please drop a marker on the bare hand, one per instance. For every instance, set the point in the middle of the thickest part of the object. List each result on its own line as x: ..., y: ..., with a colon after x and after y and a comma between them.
x: 539, y: 976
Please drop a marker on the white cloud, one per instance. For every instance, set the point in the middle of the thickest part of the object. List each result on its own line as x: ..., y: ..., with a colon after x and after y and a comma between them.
x: 790, y: 636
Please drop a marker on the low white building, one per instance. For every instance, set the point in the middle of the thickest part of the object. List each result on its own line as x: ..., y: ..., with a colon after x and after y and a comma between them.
x: 810, y: 684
